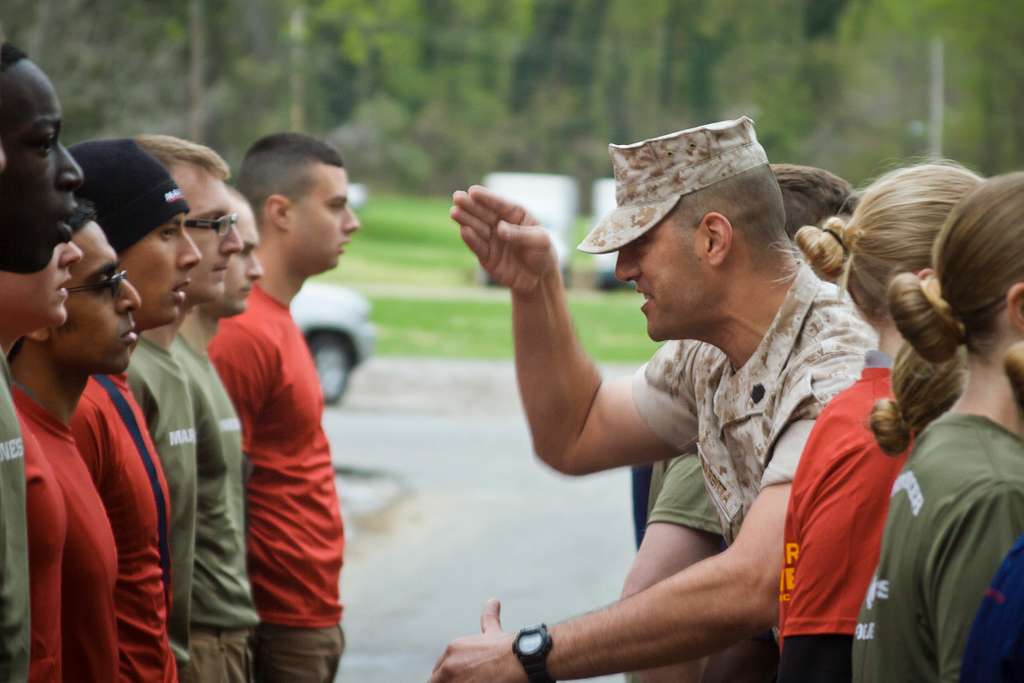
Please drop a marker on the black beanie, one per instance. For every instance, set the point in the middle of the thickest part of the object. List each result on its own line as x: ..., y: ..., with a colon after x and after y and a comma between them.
x: 133, y: 193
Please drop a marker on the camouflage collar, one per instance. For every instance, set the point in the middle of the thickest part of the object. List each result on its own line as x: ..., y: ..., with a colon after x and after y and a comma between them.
x: 760, y: 374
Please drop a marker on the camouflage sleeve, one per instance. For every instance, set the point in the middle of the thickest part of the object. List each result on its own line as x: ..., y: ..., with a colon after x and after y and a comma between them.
x: 810, y: 383
x: 663, y: 395
x: 786, y: 455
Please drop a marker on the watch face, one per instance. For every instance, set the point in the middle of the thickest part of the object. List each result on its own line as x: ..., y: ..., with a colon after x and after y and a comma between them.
x: 529, y: 643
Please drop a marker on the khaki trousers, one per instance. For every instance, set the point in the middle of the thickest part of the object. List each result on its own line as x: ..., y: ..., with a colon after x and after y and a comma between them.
x: 219, y: 656
x: 284, y: 654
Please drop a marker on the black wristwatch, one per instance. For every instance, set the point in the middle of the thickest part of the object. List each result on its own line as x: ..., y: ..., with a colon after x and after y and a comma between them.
x: 532, y: 646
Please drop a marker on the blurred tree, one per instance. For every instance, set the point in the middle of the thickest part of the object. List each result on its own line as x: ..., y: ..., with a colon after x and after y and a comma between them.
x: 428, y: 95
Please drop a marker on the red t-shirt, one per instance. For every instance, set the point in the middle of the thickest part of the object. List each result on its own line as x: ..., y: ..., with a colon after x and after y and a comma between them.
x: 89, y: 570
x: 295, y: 534
x: 124, y: 485
x: 837, y: 510
x: 47, y: 530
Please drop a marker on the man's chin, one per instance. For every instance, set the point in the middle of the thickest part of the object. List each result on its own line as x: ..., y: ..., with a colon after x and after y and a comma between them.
x: 655, y: 333
x: 115, y: 366
x: 331, y: 262
x: 165, y: 316
x: 233, y: 308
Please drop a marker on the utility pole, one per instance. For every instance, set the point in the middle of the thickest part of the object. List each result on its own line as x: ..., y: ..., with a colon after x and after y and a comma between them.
x: 297, y: 33
x: 937, y: 97
x: 196, y: 33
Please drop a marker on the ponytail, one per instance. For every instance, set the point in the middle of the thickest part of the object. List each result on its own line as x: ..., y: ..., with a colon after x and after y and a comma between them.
x: 921, y: 392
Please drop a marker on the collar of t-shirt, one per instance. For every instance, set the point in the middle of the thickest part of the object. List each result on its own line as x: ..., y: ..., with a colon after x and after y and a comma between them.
x: 39, y: 416
x: 877, y: 359
x: 261, y: 293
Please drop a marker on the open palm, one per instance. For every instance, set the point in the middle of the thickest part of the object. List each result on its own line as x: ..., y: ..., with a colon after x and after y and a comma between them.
x: 512, y: 247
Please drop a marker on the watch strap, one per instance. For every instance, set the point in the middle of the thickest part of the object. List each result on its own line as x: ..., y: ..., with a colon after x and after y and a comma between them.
x: 535, y: 664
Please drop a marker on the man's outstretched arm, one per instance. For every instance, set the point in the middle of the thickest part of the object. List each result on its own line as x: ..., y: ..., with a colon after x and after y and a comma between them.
x: 578, y: 424
x: 698, y: 611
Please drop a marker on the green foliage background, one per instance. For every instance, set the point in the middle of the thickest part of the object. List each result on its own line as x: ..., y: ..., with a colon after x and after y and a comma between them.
x: 426, y: 96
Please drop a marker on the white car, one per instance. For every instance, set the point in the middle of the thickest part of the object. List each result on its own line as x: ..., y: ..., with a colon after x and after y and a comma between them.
x: 336, y: 323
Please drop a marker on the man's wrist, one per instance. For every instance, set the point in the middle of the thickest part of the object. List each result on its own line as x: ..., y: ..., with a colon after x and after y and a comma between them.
x: 531, y: 647
x: 547, y: 283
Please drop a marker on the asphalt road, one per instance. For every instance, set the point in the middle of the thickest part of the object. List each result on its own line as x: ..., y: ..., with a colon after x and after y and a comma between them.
x: 446, y: 506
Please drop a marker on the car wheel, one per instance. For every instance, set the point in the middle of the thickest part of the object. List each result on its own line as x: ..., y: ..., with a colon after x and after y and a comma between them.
x: 334, y: 360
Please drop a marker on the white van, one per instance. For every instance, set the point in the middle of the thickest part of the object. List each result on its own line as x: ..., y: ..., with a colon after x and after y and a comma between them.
x: 602, y: 202
x: 552, y: 199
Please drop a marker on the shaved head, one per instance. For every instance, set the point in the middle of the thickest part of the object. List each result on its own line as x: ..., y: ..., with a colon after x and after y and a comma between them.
x: 752, y: 201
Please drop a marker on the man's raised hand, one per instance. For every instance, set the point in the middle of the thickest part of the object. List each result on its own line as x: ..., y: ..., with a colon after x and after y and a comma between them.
x: 512, y: 247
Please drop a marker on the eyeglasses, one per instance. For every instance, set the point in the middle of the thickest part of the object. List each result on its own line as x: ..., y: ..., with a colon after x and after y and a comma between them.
x: 221, y: 225
x: 113, y: 283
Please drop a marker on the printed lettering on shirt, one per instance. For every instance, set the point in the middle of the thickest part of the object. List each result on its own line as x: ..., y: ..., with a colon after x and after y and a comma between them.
x: 908, y: 482
x: 865, y: 631
x: 787, y: 580
x: 179, y: 437
x: 12, y: 449
x: 230, y: 424
x: 711, y: 477
x: 879, y: 589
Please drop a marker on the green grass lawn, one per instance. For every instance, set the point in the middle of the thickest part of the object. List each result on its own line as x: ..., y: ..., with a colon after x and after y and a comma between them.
x: 409, y: 261
x: 611, y: 328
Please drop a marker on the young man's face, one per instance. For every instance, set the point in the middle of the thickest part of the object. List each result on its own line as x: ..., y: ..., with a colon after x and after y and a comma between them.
x: 36, y: 187
x: 208, y: 198
x: 98, y: 335
x: 324, y: 220
x: 33, y: 300
x: 160, y: 264
x: 244, y: 268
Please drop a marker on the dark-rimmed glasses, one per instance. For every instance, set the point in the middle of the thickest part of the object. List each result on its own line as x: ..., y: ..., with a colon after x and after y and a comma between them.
x: 113, y: 283
x: 220, y: 225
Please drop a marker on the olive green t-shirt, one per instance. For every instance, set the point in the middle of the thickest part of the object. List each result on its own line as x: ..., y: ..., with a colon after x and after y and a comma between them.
x: 14, y: 607
x: 221, y: 594
x: 677, y: 495
x: 955, y: 511
x: 159, y: 386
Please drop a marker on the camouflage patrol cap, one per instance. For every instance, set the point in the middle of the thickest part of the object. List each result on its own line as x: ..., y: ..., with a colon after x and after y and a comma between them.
x: 651, y: 176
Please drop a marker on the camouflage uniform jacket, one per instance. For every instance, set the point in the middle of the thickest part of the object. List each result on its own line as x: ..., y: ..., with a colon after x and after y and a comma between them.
x: 688, y: 393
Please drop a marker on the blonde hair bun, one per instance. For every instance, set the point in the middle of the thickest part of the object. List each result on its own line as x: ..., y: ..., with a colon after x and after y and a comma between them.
x: 924, y: 318
x: 824, y: 248
x: 890, y: 429
x: 921, y: 392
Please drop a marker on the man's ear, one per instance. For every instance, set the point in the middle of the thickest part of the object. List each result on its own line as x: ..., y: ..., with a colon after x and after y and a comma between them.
x: 278, y: 212
x: 1015, y: 306
x: 715, y: 236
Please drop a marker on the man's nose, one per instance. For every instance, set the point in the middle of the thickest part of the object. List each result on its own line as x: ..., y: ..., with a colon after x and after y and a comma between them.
x: 625, y: 266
